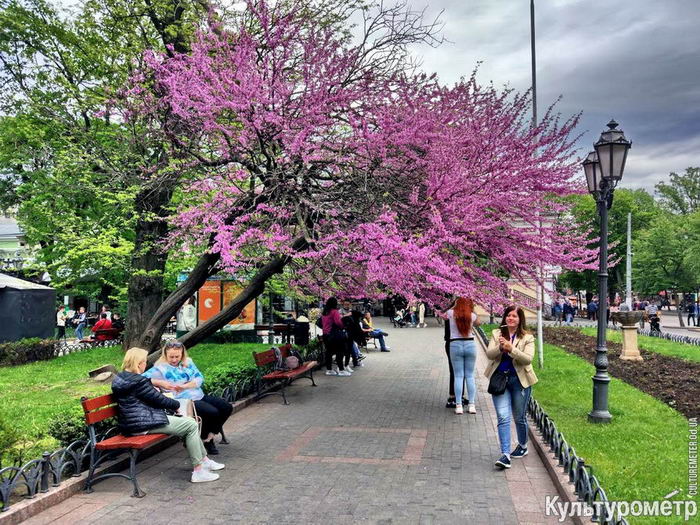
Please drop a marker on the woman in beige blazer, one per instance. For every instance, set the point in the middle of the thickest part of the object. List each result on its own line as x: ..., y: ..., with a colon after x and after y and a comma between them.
x: 513, y: 357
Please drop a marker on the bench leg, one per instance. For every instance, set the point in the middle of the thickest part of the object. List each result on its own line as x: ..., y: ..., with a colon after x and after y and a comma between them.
x: 91, y: 472
x: 133, y: 453
x: 311, y: 376
x: 223, y: 441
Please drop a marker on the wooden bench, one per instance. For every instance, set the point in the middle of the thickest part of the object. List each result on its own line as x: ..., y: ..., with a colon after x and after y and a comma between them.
x: 266, y: 358
x: 98, y: 409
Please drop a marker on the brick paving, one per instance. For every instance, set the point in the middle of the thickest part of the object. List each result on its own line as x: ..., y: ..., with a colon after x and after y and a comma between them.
x: 378, y: 447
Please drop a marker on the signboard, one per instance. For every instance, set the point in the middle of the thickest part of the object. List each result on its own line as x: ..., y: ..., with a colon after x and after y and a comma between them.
x: 209, y: 303
x: 245, y: 321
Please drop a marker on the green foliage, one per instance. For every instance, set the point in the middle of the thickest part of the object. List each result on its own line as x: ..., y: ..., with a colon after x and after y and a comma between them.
x: 664, y: 255
x: 26, y: 351
x: 67, y: 427
x: 682, y: 194
x: 625, y: 453
x: 9, y: 438
x: 644, y: 212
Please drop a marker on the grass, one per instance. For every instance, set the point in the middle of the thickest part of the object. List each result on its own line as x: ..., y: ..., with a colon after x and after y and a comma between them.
x: 33, y: 394
x: 653, y: 344
x: 641, y: 455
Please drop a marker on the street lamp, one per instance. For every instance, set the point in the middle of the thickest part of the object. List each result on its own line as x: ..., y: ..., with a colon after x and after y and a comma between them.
x: 603, y: 168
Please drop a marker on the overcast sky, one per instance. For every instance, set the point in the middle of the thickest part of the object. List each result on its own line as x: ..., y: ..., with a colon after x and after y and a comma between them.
x: 636, y: 60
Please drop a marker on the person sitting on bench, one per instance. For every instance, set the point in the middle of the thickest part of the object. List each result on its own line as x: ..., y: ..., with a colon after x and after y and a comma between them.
x: 102, y: 324
x: 375, y: 333
x: 142, y: 411
x: 176, y: 372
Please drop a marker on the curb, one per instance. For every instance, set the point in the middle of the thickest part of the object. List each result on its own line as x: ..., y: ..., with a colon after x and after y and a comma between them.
x: 27, y: 508
x: 560, y: 480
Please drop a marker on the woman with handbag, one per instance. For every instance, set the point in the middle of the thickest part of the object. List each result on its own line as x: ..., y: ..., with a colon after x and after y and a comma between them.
x: 462, y: 355
x: 176, y: 372
x: 141, y: 410
x: 511, y: 377
x: 334, y: 338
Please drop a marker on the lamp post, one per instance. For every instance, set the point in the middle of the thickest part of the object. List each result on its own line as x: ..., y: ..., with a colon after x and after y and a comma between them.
x: 603, y: 168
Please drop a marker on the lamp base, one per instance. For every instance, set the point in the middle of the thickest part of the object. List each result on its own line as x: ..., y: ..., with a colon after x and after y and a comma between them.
x: 599, y: 416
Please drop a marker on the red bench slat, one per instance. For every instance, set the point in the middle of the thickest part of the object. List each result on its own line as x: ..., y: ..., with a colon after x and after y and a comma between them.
x: 97, y: 402
x: 268, y: 356
x: 279, y: 374
x: 99, y: 415
x: 138, y: 442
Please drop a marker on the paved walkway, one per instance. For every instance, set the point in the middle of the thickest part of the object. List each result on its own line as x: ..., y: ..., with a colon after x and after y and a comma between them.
x: 377, y: 447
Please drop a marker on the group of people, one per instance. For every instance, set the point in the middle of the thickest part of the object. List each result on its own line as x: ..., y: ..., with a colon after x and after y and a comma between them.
x: 510, y: 353
x: 166, y: 399
x: 80, y: 319
x: 344, y: 333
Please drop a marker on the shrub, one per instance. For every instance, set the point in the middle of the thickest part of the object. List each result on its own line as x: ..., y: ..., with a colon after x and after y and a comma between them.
x: 234, y: 336
x: 221, y: 376
x: 9, y: 438
x: 27, y: 351
x: 67, y: 427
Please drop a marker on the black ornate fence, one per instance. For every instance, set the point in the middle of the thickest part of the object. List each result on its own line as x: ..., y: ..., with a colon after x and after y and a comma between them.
x: 586, y: 486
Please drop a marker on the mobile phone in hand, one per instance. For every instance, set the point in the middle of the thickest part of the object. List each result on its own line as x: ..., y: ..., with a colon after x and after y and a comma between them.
x: 504, y: 331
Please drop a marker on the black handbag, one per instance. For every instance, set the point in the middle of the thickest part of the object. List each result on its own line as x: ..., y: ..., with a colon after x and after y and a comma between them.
x: 497, y: 383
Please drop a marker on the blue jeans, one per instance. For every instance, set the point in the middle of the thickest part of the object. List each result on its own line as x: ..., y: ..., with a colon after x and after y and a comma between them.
x: 512, y: 402
x: 378, y: 334
x: 463, y: 357
x: 569, y: 318
x: 79, y: 331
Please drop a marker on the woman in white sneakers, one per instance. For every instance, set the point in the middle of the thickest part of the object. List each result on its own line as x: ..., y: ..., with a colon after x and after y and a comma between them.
x: 462, y: 320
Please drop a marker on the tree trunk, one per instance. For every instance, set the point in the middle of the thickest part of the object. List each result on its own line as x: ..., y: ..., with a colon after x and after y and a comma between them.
x: 150, y: 337
x: 145, y: 291
x: 255, y: 287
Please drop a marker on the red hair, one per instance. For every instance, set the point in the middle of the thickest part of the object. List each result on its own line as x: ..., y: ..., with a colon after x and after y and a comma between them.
x: 463, y: 315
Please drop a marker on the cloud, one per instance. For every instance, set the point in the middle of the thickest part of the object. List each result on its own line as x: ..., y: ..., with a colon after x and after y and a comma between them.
x: 638, y: 62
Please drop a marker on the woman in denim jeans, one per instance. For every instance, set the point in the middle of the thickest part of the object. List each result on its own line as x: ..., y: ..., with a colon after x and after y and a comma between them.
x: 512, y: 356
x: 460, y: 321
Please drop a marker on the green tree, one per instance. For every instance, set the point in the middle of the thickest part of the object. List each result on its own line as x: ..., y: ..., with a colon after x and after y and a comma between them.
x: 644, y: 211
x: 682, y: 194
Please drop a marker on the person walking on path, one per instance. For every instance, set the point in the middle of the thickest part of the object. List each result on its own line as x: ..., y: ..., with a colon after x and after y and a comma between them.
x: 691, y: 315
x: 569, y: 312
x: 512, y: 357
x: 333, y: 338
x: 460, y: 320
x: 142, y: 411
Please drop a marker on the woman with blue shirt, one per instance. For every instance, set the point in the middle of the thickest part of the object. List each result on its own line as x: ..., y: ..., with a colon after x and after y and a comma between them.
x: 513, y: 357
x: 176, y: 372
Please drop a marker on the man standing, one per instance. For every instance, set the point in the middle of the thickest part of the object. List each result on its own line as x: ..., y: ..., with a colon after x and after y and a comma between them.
x: 186, y: 318
x: 80, y: 320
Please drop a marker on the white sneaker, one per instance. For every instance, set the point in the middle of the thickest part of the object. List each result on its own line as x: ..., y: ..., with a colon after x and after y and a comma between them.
x: 349, y: 369
x: 459, y: 410
x: 203, y: 475
x: 344, y: 373
x: 212, y: 465
x: 471, y: 409
x: 331, y: 373
x: 359, y: 365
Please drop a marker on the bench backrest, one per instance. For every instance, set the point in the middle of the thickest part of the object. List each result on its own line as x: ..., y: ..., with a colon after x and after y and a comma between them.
x: 99, y: 408
x: 268, y: 356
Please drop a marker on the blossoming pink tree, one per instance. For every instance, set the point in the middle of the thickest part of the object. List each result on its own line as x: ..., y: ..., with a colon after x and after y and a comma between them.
x: 335, y: 157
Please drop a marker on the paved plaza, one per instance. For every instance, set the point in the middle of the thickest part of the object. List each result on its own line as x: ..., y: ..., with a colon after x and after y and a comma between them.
x: 377, y: 447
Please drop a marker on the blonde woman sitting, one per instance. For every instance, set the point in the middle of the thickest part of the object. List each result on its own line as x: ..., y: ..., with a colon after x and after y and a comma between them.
x: 142, y: 411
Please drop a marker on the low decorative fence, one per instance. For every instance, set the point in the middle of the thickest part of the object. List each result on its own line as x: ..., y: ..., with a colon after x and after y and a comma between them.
x: 586, y: 485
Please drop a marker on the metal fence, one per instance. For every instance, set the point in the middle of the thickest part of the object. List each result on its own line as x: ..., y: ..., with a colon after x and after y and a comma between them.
x: 586, y: 486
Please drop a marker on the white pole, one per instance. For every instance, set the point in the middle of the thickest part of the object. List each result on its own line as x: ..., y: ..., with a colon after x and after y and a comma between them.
x: 540, y: 297
x: 628, y: 279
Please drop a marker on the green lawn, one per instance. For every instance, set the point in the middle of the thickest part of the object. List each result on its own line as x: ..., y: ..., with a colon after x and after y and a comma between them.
x: 653, y: 344
x: 642, y: 454
x: 32, y: 394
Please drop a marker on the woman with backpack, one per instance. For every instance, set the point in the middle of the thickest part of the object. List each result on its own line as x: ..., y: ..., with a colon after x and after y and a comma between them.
x: 334, y: 338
